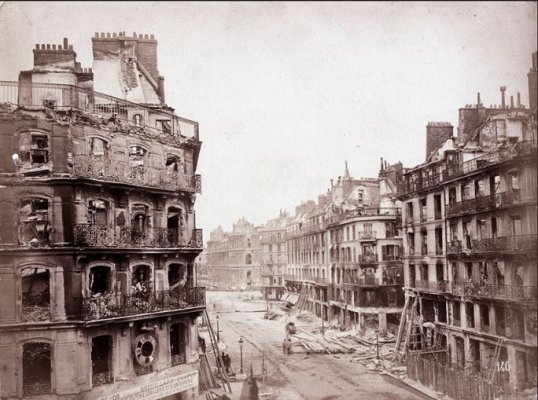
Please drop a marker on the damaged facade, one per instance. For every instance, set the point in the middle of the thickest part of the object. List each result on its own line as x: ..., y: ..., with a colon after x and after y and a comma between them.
x: 469, y: 215
x: 233, y: 258
x: 344, y: 253
x: 97, y: 228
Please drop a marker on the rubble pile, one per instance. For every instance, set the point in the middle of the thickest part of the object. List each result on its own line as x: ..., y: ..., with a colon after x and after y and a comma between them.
x: 271, y: 315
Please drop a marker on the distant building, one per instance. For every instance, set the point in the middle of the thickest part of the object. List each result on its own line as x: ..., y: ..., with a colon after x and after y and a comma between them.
x: 469, y: 215
x: 234, y: 258
x: 274, y: 256
x: 344, y: 252
x: 97, y: 229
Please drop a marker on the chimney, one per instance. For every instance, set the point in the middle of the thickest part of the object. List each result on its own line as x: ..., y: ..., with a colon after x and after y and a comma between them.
x: 511, y: 101
x: 518, y: 100
x: 533, y: 82
x: 503, y: 97
x: 160, y: 84
x: 436, y: 134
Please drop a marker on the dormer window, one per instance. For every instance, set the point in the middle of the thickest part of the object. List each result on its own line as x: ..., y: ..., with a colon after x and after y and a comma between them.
x: 138, y: 119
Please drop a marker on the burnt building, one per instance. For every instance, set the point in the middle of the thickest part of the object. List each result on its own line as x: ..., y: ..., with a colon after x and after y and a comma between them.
x: 234, y: 258
x: 97, y: 228
x: 469, y: 215
x: 345, y: 255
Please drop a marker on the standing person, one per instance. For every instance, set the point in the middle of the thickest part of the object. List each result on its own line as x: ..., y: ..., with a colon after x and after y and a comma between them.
x: 201, y: 343
x: 227, y: 363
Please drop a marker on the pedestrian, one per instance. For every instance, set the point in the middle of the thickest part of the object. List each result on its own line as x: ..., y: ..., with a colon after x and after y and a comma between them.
x: 201, y: 343
x: 227, y: 363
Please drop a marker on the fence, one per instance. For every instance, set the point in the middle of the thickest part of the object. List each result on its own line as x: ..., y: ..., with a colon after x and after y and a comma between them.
x: 451, y: 382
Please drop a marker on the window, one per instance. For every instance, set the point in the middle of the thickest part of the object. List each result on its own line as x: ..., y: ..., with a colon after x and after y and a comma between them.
x: 177, y: 344
x: 99, y: 280
x: 138, y: 119
x: 177, y: 276
x: 248, y: 259
x: 174, y: 163
x: 34, y: 148
x: 35, y: 282
x: 102, y: 360
x: 141, y: 279
x: 437, y: 206
x: 97, y: 212
x: 163, y: 125
x: 98, y: 147
x: 36, y: 368
x: 465, y: 191
x: 34, y: 227
x: 480, y: 188
x: 452, y: 195
x: 390, y: 229
x: 423, y: 209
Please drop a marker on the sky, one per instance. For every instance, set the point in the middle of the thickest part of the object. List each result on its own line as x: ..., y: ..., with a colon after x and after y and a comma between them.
x: 285, y: 93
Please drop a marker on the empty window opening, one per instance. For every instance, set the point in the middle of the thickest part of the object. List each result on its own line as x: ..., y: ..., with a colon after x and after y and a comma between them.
x: 177, y: 276
x: 484, y: 317
x: 441, y: 311
x: 424, y: 242
x: 438, y: 241
x: 424, y: 272
x: 452, y: 199
x: 480, y: 188
x: 34, y: 148
x: 164, y: 125
x: 98, y: 147
x: 428, y: 313
x: 99, y: 280
x: 437, y: 206
x: 469, y: 312
x: 138, y: 119
x: 248, y: 259
x: 36, y: 368
x: 460, y: 353
x: 174, y: 164
x: 35, y: 283
x: 97, y: 212
x: 139, y: 220
x: 141, y: 279
x: 34, y: 227
x: 456, y: 314
x: 177, y: 344
x: 101, y: 360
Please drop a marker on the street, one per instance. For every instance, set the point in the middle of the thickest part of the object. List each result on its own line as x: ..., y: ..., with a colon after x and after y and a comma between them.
x: 295, y: 376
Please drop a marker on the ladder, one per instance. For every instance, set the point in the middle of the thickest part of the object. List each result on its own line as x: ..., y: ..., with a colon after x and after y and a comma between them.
x: 410, y: 325
x: 403, y: 320
x: 218, y: 358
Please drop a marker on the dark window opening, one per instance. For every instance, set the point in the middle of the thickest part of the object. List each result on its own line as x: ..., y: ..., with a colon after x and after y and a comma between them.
x: 440, y: 271
x: 35, y: 294
x: 177, y: 276
x: 34, y: 148
x: 424, y: 273
x: 438, y: 241
x: 456, y: 314
x: 34, y: 226
x: 174, y: 164
x: 428, y: 313
x: 412, y: 278
x: 97, y: 212
x: 437, y: 206
x: 424, y: 242
x: 423, y: 209
x: 484, y: 317
x: 460, y: 353
x: 36, y: 368
x: 177, y: 344
x: 99, y: 280
x: 469, y: 312
x: 452, y: 199
x: 248, y: 259
x: 441, y: 312
x: 102, y: 360
x: 141, y: 279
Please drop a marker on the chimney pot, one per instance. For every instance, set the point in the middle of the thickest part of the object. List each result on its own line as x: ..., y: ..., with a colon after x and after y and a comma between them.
x: 70, y: 47
x: 503, y: 96
x: 102, y: 34
x: 108, y: 35
x: 146, y: 36
x: 114, y: 35
x: 53, y: 47
x: 152, y: 37
x: 65, y: 43
x: 48, y: 46
x: 37, y: 46
x: 96, y: 34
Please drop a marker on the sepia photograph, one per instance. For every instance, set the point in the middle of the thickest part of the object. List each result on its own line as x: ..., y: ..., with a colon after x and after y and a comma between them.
x: 268, y: 200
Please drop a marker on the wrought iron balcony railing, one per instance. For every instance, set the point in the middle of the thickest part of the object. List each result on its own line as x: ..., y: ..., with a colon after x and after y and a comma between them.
x: 112, y: 306
x: 87, y: 235
x: 102, y: 378
x: 367, y: 235
x: 36, y: 389
x: 368, y: 258
x: 99, y: 108
x: 500, y: 292
x: 483, y: 203
x: 517, y: 150
x: 391, y: 257
x: 36, y: 313
x: 117, y: 171
x: 504, y: 244
x: 438, y: 287
x: 363, y: 212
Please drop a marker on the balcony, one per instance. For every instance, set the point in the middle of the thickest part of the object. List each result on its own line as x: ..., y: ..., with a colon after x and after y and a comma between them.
x: 113, y: 306
x: 483, y: 203
x: 363, y: 212
x: 505, y: 244
x: 368, y: 258
x: 409, y: 186
x: 86, y: 235
x: 391, y: 257
x: 103, y: 378
x: 367, y: 235
x: 99, y: 108
x: 435, y: 287
x: 306, y: 229
x: 36, y: 389
x: 499, y: 292
x: 507, y: 153
x: 90, y: 167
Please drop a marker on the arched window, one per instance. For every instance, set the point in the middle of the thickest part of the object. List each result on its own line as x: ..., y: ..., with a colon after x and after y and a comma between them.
x: 139, y: 223
x: 100, y: 280
x: 35, y: 283
x: 138, y: 119
x: 36, y: 368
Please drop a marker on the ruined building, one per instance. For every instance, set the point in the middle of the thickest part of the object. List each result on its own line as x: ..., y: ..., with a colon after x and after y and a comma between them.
x: 233, y: 258
x: 469, y: 215
x: 97, y: 228
x: 344, y: 253
x: 274, y: 256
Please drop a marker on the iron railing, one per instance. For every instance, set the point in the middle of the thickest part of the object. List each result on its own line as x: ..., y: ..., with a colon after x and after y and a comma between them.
x: 99, y: 108
x: 520, y: 149
x: 391, y: 257
x: 500, y: 292
x: 36, y: 389
x: 112, y: 306
x: 36, y: 313
x: 91, y: 167
x: 367, y: 258
x: 504, y: 244
x: 367, y: 235
x: 483, y: 203
x: 438, y: 287
x: 363, y: 212
x: 102, y: 378
x: 87, y: 235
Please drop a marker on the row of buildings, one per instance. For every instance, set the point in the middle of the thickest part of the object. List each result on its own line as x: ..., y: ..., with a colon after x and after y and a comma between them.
x: 442, y: 254
x: 97, y: 229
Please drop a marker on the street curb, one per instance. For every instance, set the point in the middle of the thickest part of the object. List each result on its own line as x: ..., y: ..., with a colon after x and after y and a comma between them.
x: 417, y: 389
